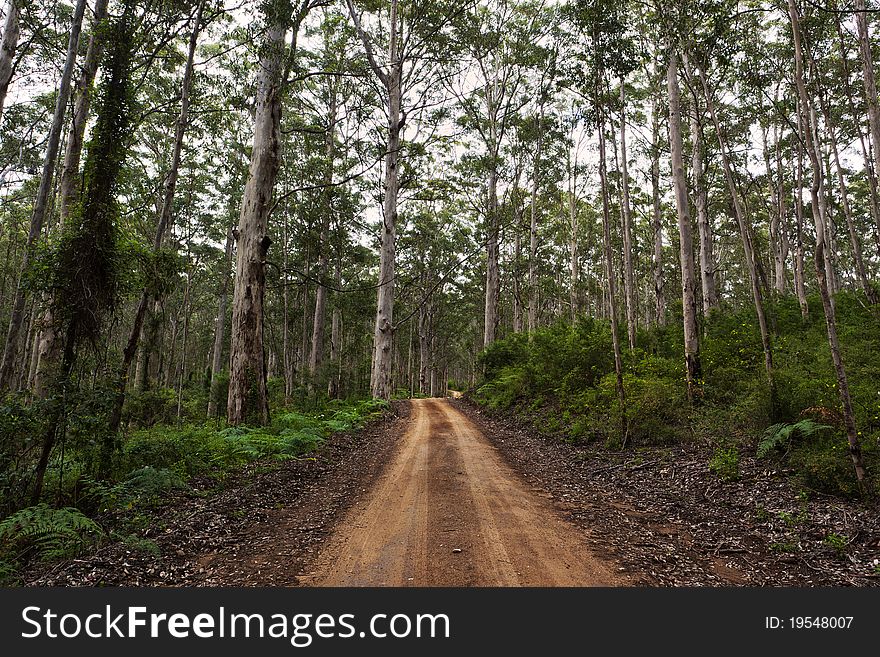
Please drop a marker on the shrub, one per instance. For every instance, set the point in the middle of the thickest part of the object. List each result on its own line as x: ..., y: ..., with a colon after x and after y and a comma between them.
x: 504, y: 353
x: 150, y: 407
x: 823, y: 464
x: 510, y: 384
x: 725, y: 463
x: 21, y: 428
x: 656, y: 409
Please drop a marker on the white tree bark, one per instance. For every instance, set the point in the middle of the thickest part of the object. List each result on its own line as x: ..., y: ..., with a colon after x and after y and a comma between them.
x: 686, y: 252
x: 574, y: 269
x: 701, y: 204
x: 870, y: 89
x: 248, y: 401
x: 317, y: 357
x: 628, y: 276
x: 383, y: 332
x: 784, y: 245
x: 799, y: 273
x: 533, y: 230
x: 610, y: 275
x: 8, y: 46
x: 865, y: 150
x: 657, y: 217
x: 854, y: 239
x: 41, y: 202
x: 493, y: 278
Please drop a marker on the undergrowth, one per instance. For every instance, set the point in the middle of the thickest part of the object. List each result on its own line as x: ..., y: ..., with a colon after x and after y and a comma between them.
x: 562, y: 379
x: 152, y: 465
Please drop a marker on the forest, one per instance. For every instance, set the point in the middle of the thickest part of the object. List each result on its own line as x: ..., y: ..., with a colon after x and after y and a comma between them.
x: 233, y: 229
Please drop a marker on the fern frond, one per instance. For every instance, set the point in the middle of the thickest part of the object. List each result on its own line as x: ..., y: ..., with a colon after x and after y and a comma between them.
x: 783, y: 434
x: 52, y: 533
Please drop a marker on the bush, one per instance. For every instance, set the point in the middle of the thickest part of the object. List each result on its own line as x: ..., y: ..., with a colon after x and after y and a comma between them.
x: 504, y: 353
x: 22, y: 427
x: 824, y: 465
x: 150, y: 407
x: 510, y: 384
x: 725, y: 463
x: 190, y: 450
x: 563, y: 378
x: 186, y: 450
x: 656, y: 409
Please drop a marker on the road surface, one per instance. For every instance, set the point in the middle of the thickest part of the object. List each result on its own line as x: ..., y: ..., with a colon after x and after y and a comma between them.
x: 449, y: 511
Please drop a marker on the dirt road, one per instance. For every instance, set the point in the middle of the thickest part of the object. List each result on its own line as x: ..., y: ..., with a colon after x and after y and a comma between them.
x: 449, y: 511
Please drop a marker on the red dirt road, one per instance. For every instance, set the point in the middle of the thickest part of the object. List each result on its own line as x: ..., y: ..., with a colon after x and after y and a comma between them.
x: 449, y: 511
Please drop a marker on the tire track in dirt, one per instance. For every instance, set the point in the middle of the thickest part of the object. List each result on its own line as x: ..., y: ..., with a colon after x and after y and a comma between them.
x: 449, y: 511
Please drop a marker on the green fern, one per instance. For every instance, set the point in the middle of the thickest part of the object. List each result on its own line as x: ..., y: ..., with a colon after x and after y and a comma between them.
x: 50, y: 533
x: 149, y: 483
x: 782, y: 434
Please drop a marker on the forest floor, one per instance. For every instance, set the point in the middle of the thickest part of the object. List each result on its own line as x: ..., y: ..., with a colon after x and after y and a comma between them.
x: 441, y: 493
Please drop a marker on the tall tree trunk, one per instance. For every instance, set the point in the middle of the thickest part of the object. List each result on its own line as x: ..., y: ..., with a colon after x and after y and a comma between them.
x: 317, y: 356
x: 335, y: 346
x: 34, y: 341
x: 628, y: 284
x: 286, y: 352
x: 335, y: 378
x: 657, y: 217
x: 870, y: 91
x: 87, y: 275
x: 493, y: 278
x: 533, y: 230
x: 49, y: 342
x: 304, y: 332
x: 144, y: 357
x: 701, y: 204
x: 782, y: 217
x: 573, y: 240
x: 220, y: 328
x: 383, y: 332
x: 818, y: 205
x: 745, y: 232
x: 181, y: 367
x: 865, y: 150
x: 169, y: 366
x: 51, y: 435
x: 517, y: 210
x: 162, y: 226
x: 831, y: 268
x: 248, y: 400
x: 799, y: 273
x: 424, y: 348
x: 777, y: 244
x: 854, y: 239
x: 41, y: 202
x: 610, y: 276
x: 27, y: 372
x: 70, y: 177
x: 517, y: 292
x: 7, y: 50
x: 686, y: 253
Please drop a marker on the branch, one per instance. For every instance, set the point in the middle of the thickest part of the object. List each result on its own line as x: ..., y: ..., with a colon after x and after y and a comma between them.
x: 368, y: 45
